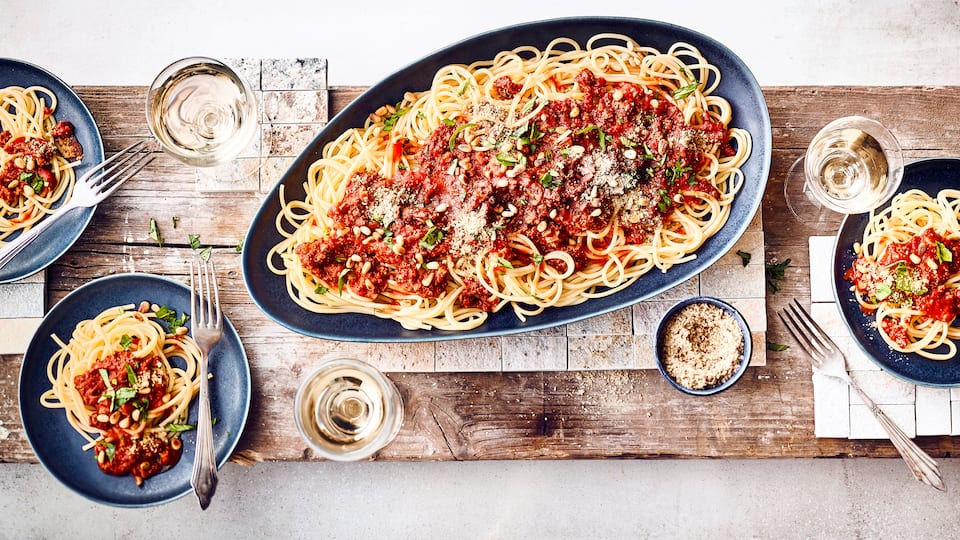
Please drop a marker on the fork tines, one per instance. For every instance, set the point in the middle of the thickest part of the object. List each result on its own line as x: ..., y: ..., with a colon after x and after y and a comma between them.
x: 129, y: 162
x: 806, y: 331
x: 204, y: 295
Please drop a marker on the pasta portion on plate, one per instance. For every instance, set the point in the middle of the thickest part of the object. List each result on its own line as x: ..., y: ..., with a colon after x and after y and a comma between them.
x: 907, y: 272
x: 125, y: 383
x: 37, y: 157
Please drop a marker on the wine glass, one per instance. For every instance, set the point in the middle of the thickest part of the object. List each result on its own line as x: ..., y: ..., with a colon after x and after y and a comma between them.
x: 347, y: 410
x: 205, y: 115
x: 853, y: 165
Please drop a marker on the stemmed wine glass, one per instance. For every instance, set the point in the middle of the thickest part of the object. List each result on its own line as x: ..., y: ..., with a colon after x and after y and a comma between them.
x: 204, y: 114
x: 853, y: 165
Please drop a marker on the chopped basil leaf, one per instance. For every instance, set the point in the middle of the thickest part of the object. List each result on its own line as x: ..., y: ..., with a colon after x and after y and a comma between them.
x: 169, y: 316
x: 744, y: 257
x: 342, y: 280
x: 685, y: 91
x: 775, y: 273
x: 109, y: 449
x: 205, y: 253
x: 131, y: 375
x: 194, y: 240
x: 125, y: 342
x: 155, y: 232
x: 448, y: 122
x: 179, y: 428
x: 175, y: 219
x: 463, y: 87
x: 239, y: 247
x: 537, y: 259
x: 776, y: 347
x: 506, y: 159
x: 391, y: 120
x: 943, y: 254
x: 320, y: 290
x: 432, y: 238
x: 504, y: 262
x: 549, y: 181
x: 883, y: 291
x: 420, y: 115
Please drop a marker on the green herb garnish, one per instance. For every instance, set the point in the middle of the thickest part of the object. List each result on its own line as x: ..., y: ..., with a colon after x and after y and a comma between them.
x: 685, y: 91
x: 320, y: 289
x: 453, y: 137
x: 155, y: 232
x: 775, y: 273
x: 391, y: 120
x: 432, y: 238
x: 125, y: 342
x: 776, y: 347
x: 549, y: 181
x: 943, y: 254
x: 744, y: 257
x: 194, y: 240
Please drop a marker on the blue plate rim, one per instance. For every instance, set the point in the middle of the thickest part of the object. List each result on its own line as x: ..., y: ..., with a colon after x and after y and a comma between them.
x: 60, y: 314
x: 97, y: 154
x: 359, y: 325
x: 907, y: 367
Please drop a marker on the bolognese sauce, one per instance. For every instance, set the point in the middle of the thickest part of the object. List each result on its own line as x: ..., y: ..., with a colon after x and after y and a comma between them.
x: 622, y: 155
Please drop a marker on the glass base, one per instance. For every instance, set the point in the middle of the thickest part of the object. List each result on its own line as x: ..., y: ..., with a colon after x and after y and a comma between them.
x: 241, y: 174
x: 801, y: 201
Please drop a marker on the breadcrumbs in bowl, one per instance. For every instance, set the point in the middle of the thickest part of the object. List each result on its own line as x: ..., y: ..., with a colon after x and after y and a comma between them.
x: 703, y: 345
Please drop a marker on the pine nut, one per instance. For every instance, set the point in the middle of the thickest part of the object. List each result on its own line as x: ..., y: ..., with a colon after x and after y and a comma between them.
x: 102, y: 418
x: 630, y: 153
x: 542, y: 226
x: 914, y: 258
x: 427, y: 280
x: 575, y: 111
x: 366, y: 267
x: 135, y: 415
x: 442, y: 207
x: 596, y: 212
x: 365, y: 230
x: 18, y: 162
x: 124, y: 422
x: 433, y: 265
x: 502, y: 183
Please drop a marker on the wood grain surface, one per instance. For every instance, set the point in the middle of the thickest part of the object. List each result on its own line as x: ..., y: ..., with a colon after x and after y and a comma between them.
x: 472, y: 416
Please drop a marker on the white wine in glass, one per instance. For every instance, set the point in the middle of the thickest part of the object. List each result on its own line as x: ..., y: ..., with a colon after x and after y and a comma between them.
x: 202, y: 112
x: 347, y: 410
x: 853, y: 165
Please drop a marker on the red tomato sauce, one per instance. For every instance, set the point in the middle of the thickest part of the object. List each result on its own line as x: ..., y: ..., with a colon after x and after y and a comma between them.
x: 30, y: 161
x: 911, y: 274
x: 623, y: 153
x: 122, y: 389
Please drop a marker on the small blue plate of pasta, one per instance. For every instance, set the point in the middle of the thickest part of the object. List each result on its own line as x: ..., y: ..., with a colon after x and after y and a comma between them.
x: 904, y: 322
x: 37, y: 106
x: 107, y: 391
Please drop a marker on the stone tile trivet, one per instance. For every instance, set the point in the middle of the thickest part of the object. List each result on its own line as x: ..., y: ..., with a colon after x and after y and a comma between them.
x: 292, y: 102
x: 22, y: 306
x: 838, y: 412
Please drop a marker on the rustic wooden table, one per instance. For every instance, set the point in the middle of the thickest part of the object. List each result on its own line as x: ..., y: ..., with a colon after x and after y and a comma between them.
x: 529, y: 415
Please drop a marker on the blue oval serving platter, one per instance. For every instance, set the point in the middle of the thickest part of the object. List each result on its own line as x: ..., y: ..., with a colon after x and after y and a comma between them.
x: 737, y: 85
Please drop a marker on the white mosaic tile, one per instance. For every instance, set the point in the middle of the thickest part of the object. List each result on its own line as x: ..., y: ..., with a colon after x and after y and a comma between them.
x: 863, y: 425
x: 831, y: 407
x: 821, y: 261
x: 469, y: 355
x: 15, y: 334
x: 933, y: 411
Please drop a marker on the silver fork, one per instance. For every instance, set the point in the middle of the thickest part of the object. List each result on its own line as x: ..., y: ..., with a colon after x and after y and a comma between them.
x: 91, y: 189
x: 828, y: 360
x: 206, y: 325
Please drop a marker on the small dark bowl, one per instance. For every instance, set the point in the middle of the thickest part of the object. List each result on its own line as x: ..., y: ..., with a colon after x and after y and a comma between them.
x: 744, y: 359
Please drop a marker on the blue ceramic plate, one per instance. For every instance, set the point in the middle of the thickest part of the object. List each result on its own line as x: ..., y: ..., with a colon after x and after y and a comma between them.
x: 60, y: 236
x: 58, y: 446
x: 737, y: 85
x: 744, y: 359
x: 931, y: 176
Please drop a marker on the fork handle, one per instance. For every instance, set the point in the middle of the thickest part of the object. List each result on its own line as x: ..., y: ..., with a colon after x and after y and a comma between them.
x: 11, y: 250
x: 204, y: 477
x: 923, y: 466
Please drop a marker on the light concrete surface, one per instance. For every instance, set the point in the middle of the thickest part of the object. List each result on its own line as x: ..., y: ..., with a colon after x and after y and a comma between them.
x: 784, y: 43
x: 835, y: 498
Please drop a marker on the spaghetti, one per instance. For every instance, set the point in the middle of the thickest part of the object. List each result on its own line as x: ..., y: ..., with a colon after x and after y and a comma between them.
x: 907, y: 272
x: 117, y: 381
x: 536, y: 179
x: 37, y: 157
